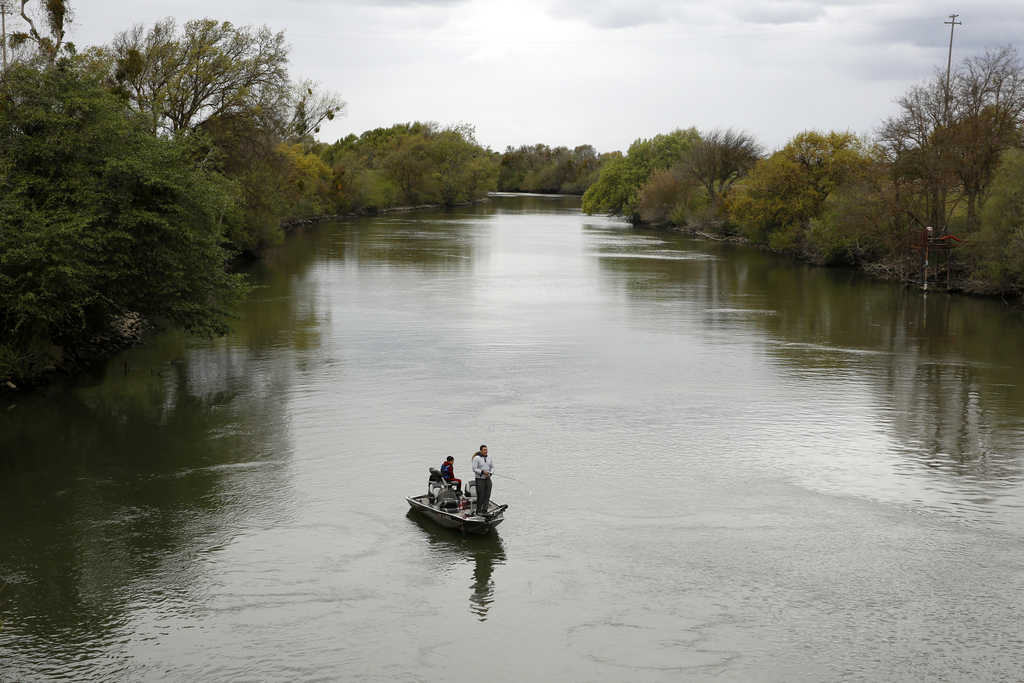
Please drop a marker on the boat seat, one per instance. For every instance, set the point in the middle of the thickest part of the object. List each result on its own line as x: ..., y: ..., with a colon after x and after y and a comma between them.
x: 433, y: 488
x: 447, y: 500
x: 470, y: 489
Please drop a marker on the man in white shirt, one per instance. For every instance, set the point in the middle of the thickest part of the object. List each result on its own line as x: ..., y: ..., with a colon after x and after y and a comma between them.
x: 483, y: 467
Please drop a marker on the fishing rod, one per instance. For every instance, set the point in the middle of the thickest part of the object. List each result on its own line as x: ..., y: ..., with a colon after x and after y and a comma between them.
x: 505, y: 476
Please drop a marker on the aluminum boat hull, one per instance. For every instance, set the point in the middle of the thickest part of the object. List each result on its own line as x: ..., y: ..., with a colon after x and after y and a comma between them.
x: 463, y: 520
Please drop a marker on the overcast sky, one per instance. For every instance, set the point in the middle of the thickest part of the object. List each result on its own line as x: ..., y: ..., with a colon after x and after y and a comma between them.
x: 601, y: 72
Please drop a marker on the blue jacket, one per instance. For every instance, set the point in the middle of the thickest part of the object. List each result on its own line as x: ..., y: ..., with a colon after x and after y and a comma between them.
x: 447, y: 471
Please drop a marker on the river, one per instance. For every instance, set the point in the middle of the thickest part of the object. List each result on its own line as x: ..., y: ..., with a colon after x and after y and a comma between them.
x: 720, y: 465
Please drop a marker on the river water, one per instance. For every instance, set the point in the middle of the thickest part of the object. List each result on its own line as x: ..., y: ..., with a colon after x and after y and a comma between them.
x: 720, y: 465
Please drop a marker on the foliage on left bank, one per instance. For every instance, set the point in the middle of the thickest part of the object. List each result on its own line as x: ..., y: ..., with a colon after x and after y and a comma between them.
x: 132, y: 174
x: 98, y: 217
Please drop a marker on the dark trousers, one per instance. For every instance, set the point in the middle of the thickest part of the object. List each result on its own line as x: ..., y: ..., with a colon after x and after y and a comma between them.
x: 483, y: 494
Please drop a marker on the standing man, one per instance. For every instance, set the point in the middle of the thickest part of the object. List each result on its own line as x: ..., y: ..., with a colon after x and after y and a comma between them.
x: 483, y: 466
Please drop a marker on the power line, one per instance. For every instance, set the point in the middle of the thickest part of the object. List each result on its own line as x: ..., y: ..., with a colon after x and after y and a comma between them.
x: 577, y: 39
x: 550, y: 39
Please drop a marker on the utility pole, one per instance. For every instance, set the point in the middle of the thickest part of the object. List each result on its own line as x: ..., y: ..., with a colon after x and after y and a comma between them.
x: 953, y: 23
x: 4, y: 11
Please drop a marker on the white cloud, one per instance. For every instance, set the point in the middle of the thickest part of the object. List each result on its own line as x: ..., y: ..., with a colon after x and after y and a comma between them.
x: 491, y: 56
x: 603, y: 72
x: 780, y: 13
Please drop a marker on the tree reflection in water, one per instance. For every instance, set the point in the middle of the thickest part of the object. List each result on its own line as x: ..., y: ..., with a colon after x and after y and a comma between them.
x: 485, y: 551
x: 936, y: 364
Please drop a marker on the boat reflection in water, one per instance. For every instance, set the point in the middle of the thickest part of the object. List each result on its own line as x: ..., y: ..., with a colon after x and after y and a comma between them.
x: 450, y: 547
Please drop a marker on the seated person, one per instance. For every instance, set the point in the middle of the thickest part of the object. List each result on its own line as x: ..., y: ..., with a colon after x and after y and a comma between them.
x: 448, y: 474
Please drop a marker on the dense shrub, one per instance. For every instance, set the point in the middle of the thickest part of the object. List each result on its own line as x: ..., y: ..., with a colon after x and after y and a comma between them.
x: 98, y: 216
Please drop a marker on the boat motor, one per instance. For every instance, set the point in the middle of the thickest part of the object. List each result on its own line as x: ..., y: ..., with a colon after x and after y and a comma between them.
x: 492, y: 513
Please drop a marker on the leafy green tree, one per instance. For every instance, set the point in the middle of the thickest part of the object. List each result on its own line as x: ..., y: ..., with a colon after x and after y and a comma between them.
x: 99, y: 217
x: 230, y: 83
x: 463, y: 168
x: 996, y: 253
x: 410, y: 164
x: 584, y: 169
x: 789, y: 188
x: 539, y: 168
x: 305, y: 182
x: 272, y: 181
x: 854, y: 226
x: 406, y: 161
x: 617, y: 188
x: 356, y: 185
x: 248, y: 156
x: 382, y: 167
x: 215, y: 69
x: 669, y: 192
x: 551, y: 173
x: 691, y: 191
x: 515, y: 164
x: 536, y: 168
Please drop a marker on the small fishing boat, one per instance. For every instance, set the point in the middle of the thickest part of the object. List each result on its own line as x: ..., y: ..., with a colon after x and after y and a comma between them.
x: 443, y: 504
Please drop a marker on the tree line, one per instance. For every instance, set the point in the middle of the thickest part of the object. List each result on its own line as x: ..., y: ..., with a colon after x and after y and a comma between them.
x: 132, y: 174
x: 952, y: 158
x: 409, y: 164
x: 558, y: 170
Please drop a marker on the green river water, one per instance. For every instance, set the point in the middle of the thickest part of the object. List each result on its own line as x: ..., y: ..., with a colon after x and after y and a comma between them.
x: 720, y: 465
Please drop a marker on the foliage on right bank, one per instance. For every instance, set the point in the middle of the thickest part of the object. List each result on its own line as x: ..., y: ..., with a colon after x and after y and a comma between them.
x: 951, y: 158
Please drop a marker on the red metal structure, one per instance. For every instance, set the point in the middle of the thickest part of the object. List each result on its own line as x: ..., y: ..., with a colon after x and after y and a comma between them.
x: 927, y: 242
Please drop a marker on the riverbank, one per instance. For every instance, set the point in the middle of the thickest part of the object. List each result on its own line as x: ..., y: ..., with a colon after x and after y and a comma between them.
x: 891, y: 269
x: 64, y: 361
x: 292, y: 223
